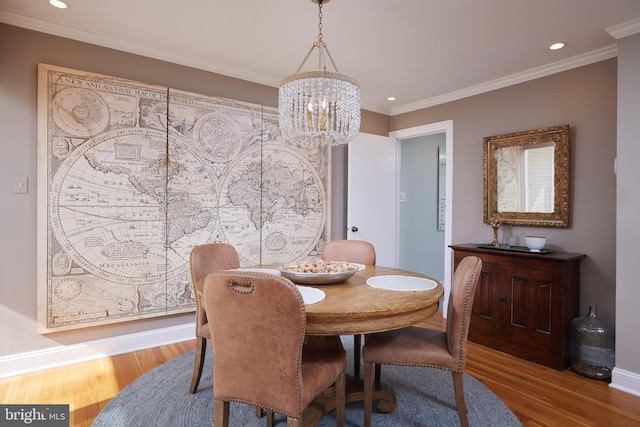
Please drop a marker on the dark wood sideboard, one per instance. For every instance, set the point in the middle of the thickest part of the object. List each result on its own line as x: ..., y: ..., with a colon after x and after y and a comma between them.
x: 525, y: 302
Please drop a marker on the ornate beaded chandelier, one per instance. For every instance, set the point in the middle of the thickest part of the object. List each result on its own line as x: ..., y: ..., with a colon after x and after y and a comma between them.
x: 319, y: 106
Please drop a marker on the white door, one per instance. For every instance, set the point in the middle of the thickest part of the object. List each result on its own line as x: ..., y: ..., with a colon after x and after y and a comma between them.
x: 371, y: 190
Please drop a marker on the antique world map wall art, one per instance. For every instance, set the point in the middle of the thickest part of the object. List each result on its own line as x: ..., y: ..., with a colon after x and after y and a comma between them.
x: 132, y: 176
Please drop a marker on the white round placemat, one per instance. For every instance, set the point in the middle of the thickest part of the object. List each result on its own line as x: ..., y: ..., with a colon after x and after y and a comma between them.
x: 401, y: 283
x: 311, y: 295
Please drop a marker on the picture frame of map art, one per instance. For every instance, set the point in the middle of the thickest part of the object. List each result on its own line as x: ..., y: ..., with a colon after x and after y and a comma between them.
x: 132, y: 176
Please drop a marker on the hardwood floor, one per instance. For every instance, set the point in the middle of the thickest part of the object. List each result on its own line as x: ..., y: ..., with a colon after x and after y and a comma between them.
x: 537, y: 395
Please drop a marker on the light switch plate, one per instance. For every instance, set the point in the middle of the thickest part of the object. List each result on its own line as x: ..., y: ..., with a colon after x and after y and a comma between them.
x: 21, y: 185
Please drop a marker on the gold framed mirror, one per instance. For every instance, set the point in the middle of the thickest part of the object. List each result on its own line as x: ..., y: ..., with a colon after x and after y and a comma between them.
x: 526, y: 177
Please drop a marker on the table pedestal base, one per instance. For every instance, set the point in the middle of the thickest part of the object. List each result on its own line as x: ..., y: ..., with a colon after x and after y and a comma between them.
x: 326, y: 402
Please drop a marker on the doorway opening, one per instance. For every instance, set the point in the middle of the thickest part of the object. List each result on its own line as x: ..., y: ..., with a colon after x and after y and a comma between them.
x: 444, y: 212
x: 422, y: 204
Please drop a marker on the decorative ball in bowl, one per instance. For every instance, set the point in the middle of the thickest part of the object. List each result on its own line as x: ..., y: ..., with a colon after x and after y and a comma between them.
x: 318, y: 272
x: 535, y: 243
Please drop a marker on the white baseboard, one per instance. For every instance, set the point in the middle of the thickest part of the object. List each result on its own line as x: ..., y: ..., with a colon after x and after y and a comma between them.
x: 626, y: 381
x: 23, y: 363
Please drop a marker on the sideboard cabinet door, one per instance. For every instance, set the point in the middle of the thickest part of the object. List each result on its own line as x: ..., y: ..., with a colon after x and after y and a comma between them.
x: 525, y: 302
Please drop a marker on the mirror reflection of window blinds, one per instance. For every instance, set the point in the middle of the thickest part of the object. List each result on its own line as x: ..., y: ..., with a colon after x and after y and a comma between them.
x: 539, y: 178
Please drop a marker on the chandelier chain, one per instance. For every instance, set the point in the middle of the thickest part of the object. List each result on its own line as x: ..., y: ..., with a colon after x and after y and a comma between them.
x: 322, y: 47
x: 320, y: 21
x: 320, y: 43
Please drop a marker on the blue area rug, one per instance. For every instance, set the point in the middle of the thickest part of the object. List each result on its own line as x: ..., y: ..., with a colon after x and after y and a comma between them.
x: 424, y: 398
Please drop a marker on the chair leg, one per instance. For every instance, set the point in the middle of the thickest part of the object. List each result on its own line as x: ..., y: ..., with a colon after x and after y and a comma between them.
x: 378, y: 367
x: 220, y: 413
x: 368, y: 392
x: 357, y: 345
x: 458, y: 388
x: 198, y: 364
x: 339, y: 387
x: 269, y: 418
x: 294, y: 422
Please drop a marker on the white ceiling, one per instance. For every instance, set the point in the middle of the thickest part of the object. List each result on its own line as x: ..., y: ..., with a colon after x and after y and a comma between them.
x: 423, y: 52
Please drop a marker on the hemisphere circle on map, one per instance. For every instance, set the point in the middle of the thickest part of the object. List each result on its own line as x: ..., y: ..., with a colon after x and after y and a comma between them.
x: 218, y: 136
x: 80, y: 112
x: 125, y: 214
x: 273, y: 199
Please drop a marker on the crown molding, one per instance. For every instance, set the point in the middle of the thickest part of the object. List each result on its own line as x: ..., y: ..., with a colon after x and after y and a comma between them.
x: 625, y: 29
x: 135, y: 48
x: 98, y: 39
x: 532, y: 74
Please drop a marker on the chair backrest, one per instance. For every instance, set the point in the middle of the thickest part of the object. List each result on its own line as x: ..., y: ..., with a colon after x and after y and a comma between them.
x: 463, y: 289
x: 349, y: 250
x: 204, y: 260
x: 211, y: 257
x: 257, y: 339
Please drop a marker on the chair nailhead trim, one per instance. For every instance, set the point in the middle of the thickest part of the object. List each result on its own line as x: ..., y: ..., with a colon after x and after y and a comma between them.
x: 465, y: 322
x: 241, y: 287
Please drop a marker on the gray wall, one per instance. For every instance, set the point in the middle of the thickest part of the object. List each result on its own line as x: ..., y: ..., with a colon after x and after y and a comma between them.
x: 628, y: 200
x: 21, y: 52
x: 584, y: 98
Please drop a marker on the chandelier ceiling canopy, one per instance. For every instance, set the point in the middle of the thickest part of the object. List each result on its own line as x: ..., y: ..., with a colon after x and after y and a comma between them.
x: 319, y: 106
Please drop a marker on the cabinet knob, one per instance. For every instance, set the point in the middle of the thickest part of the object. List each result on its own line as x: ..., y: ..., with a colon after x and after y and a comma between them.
x: 502, y: 298
x: 354, y: 229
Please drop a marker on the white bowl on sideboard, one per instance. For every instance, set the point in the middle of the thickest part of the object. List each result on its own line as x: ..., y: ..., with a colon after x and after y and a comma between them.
x: 535, y: 243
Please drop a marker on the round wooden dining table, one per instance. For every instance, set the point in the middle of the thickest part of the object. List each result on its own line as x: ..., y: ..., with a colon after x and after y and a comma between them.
x: 354, y: 307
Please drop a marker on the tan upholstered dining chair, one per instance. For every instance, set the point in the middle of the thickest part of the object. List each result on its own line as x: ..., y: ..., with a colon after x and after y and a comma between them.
x: 416, y: 346
x: 204, y: 260
x: 357, y: 251
x: 259, y: 356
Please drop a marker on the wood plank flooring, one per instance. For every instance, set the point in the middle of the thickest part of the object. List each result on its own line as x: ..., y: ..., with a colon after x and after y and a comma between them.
x: 537, y: 395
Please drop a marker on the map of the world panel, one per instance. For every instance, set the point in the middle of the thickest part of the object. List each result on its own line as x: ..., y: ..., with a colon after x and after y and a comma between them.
x: 132, y: 176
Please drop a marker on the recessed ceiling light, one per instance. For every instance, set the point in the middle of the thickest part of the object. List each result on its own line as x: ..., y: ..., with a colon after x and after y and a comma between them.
x: 58, y: 3
x: 391, y: 98
x: 556, y: 46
